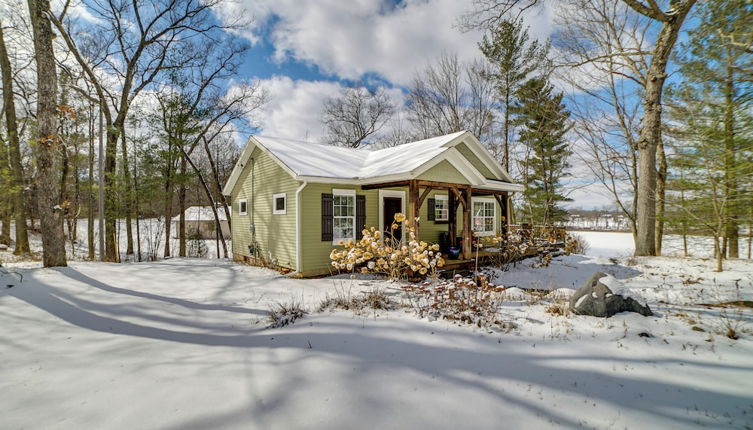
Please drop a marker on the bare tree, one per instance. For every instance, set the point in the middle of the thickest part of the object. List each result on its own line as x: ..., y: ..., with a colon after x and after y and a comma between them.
x: 13, y: 155
x: 448, y: 96
x: 134, y: 42
x: 47, y: 148
x: 601, y: 53
x: 200, y: 111
x: 356, y: 116
x: 670, y: 21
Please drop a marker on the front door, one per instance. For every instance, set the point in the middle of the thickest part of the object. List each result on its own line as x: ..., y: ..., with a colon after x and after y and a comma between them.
x: 392, y: 205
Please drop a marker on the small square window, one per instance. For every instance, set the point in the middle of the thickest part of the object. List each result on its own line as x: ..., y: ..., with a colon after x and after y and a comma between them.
x: 441, y: 208
x: 242, y: 207
x: 280, y: 204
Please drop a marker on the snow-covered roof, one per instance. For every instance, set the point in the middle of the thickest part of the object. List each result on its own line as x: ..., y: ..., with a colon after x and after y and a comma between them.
x: 307, y: 161
x: 201, y: 213
x: 313, y: 159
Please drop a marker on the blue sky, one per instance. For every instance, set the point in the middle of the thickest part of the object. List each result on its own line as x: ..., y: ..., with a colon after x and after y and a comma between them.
x: 304, y: 51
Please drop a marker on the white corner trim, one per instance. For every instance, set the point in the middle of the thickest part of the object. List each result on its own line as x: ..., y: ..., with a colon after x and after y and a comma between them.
x: 390, y: 193
x: 298, y: 211
x: 276, y: 211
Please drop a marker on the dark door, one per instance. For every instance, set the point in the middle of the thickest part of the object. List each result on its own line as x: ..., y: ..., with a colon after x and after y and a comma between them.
x: 392, y: 205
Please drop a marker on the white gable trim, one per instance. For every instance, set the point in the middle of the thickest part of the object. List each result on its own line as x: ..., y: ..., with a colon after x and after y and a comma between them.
x: 243, y: 160
x: 482, y: 153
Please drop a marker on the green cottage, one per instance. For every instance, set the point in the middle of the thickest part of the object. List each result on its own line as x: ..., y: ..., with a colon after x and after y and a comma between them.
x: 293, y: 202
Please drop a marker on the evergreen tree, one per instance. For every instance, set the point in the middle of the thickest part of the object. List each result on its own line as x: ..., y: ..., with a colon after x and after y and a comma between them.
x: 544, y: 121
x: 514, y: 58
x: 717, y: 87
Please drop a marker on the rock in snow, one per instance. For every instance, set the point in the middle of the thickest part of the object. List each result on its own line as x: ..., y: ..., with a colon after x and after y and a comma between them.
x: 596, y: 299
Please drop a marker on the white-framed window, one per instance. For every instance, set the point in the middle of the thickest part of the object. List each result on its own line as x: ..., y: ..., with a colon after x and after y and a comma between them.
x: 280, y: 204
x: 441, y: 208
x: 484, y: 217
x: 242, y: 207
x: 343, y: 215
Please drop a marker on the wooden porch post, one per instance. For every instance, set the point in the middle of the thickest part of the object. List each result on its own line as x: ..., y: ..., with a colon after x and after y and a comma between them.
x: 502, y: 200
x: 452, y: 218
x: 413, y: 205
x: 467, y: 250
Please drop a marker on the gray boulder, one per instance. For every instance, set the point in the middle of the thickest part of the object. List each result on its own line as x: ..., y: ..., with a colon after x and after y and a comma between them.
x: 596, y: 299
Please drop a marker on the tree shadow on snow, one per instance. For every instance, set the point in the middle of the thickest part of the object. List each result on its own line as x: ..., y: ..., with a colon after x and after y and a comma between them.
x: 475, y: 365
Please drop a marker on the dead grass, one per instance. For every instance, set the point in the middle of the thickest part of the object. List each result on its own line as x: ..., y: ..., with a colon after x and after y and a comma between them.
x: 283, y: 314
x: 374, y: 300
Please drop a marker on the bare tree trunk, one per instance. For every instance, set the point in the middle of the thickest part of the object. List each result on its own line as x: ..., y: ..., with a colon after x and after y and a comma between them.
x: 6, y: 220
x: 182, y: 207
x: 750, y: 231
x: 48, y: 141
x: 6, y: 210
x: 128, y: 194
x: 218, y: 186
x: 111, y: 196
x: 90, y: 215
x: 730, y: 172
x: 135, y: 201
x: 718, y: 254
x: 211, y: 199
x: 14, y: 152
x: 168, y: 215
x: 661, y: 186
x: 650, y: 134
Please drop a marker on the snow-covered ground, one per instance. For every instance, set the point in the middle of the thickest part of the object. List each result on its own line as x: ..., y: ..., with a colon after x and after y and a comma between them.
x: 152, y: 238
x: 619, y: 244
x: 183, y: 343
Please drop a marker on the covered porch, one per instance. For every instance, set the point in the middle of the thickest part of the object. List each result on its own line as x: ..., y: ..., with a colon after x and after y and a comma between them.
x: 459, y: 196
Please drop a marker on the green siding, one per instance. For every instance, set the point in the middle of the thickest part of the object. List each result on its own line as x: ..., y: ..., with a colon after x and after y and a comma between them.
x: 315, y: 252
x: 444, y: 172
x: 477, y: 163
x: 275, y: 234
x: 429, y: 230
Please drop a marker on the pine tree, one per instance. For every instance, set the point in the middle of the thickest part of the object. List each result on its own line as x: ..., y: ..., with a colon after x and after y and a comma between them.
x: 514, y: 58
x: 544, y: 121
x: 715, y: 67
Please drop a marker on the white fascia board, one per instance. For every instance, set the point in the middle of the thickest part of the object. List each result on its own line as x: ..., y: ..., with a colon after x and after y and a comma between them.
x: 239, y: 166
x: 502, y: 187
x: 482, y: 153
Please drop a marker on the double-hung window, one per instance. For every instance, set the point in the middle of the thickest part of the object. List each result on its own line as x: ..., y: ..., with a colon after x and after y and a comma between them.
x: 484, y: 220
x: 441, y: 208
x: 343, y: 215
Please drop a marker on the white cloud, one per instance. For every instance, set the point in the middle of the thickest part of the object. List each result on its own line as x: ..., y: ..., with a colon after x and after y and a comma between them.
x: 294, y: 108
x: 354, y: 38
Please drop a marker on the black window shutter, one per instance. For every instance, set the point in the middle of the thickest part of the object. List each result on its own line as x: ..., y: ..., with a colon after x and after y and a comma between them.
x: 360, y: 216
x: 432, y: 210
x: 327, y: 213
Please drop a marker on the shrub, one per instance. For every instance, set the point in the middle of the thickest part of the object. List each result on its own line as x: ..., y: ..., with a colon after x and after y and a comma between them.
x: 394, y: 257
x: 374, y: 299
x: 471, y: 301
x: 282, y: 314
x: 576, y: 244
x: 195, y: 246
